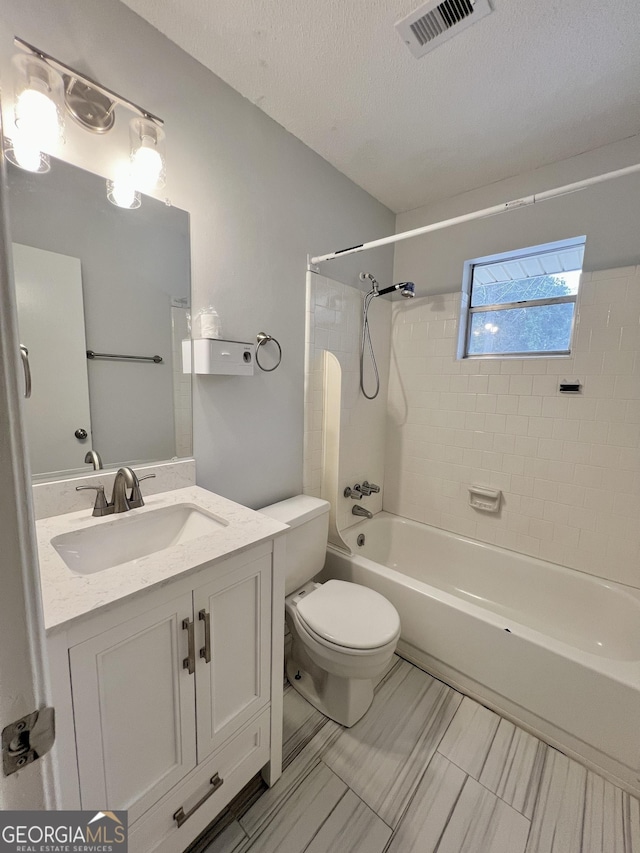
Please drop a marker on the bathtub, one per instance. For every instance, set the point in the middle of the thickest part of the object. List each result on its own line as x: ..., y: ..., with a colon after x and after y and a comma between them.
x: 554, y: 650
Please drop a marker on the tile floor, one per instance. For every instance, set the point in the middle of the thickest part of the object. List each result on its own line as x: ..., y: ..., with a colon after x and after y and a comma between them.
x: 428, y: 770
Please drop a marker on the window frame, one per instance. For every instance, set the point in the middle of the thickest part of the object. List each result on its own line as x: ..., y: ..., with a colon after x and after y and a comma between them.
x: 467, y: 310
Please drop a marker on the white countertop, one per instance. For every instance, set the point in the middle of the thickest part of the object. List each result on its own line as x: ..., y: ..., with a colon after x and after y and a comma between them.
x: 68, y: 595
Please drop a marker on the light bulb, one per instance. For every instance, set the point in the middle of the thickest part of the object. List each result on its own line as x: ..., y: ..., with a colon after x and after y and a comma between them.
x: 147, y: 154
x: 121, y: 191
x: 37, y: 119
x: 38, y: 96
x: 147, y: 166
x: 124, y: 194
x: 27, y: 156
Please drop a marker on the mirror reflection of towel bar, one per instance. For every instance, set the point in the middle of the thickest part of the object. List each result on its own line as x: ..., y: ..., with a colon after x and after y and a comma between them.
x: 155, y: 358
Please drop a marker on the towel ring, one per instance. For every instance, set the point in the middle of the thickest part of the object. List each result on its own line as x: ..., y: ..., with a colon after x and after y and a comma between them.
x: 263, y: 338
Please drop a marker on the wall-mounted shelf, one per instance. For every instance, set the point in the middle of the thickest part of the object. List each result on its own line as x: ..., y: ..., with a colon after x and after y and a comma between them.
x: 213, y: 356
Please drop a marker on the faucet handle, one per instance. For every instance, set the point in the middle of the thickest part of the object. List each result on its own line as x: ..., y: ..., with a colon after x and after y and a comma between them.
x: 101, y: 507
x: 355, y: 493
x: 136, y: 499
x: 368, y: 488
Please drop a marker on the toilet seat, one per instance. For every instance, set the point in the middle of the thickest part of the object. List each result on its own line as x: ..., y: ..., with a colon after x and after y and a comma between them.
x: 349, y: 616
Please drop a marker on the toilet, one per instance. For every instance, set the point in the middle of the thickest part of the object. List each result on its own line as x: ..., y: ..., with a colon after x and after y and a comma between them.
x: 343, y: 634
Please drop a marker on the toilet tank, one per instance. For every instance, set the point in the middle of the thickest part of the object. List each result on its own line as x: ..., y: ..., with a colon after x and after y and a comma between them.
x: 308, y: 519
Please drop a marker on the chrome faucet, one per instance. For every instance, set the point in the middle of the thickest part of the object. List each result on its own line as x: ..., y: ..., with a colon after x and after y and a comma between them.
x: 126, y: 479
x: 360, y: 510
x: 93, y: 458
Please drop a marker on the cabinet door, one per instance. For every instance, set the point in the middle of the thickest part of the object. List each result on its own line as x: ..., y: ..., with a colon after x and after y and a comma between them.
x: 134, y: 709
x: 235, y: 684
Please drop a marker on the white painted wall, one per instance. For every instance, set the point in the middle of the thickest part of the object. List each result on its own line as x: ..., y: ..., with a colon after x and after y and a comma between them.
x: 608, y: 214
x: 568, y: 465
x: 259, y: 201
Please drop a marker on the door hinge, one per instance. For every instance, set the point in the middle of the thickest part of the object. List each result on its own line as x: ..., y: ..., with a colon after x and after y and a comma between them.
x: 28, y: 739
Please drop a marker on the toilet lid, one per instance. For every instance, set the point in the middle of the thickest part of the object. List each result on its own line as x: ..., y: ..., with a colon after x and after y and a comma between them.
x: 350, y: 615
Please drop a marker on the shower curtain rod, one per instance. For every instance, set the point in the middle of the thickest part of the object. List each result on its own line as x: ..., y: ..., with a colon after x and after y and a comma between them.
x: 505, y: 207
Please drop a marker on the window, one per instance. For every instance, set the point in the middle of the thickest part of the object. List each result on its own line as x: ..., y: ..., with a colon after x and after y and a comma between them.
x: 521, y: 303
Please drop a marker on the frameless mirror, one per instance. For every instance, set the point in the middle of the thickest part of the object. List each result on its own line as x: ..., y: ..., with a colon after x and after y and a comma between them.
x: 93, y: 278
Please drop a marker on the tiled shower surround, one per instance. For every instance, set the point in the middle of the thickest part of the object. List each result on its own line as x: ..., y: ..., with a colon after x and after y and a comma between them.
x: 568, y: 465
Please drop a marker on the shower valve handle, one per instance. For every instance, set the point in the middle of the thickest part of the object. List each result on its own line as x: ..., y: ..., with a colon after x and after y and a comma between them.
x: 355, y: 493
x: 369, y: 488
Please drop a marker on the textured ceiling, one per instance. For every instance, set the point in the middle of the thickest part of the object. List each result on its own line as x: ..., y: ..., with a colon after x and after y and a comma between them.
x: 535, y: 82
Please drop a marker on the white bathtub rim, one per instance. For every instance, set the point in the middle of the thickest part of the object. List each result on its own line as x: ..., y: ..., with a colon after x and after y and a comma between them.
x: 626, y: 672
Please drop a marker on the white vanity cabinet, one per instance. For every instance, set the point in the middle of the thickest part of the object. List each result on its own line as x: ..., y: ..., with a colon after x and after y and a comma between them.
x: 173, y: 702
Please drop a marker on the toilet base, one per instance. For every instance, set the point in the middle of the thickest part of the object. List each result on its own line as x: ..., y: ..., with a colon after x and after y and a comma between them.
x: 345, y: 700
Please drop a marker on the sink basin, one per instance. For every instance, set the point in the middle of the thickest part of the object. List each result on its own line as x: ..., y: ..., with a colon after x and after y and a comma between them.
x: 125, y: 538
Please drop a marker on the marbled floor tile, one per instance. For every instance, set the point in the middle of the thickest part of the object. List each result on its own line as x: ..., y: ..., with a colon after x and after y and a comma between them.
x: 383, y: 756
x: 301, y: 723
x: 425, y: 820
x: 468, y: 739
x: 483, y: 823
x: 293, y: 827
x: 610, y: 819
x: 513, y: 768
x: 559, y: 810
x: 351, y: 828
x: 229, y: 840
x: 276, y: 798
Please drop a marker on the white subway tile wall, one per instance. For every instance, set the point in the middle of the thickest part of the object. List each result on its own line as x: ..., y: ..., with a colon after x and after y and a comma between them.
x: 568, y: 465
x: 334, y: 323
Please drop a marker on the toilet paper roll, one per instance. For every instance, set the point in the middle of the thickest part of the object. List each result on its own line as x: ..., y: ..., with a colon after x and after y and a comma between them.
x: 210, y: 326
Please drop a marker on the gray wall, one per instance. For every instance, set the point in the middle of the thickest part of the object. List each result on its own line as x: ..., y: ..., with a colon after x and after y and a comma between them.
x: 259, y: 201
x: 133, y: 263
x: 609, y: 214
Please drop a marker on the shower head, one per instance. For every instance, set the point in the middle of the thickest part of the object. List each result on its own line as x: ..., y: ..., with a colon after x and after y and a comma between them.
x: 406, y: 288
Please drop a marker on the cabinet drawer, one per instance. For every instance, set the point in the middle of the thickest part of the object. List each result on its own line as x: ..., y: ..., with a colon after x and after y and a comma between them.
x: 235, y: 762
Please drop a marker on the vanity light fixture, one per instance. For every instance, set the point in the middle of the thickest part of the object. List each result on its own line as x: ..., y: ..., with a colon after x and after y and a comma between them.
x: 45, y: 88
x: 38, y: 113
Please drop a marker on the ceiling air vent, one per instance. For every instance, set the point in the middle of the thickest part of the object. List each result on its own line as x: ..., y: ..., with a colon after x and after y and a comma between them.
x: 434, y: 23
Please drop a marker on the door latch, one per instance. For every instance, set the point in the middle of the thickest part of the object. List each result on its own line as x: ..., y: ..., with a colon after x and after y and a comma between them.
x: 28, y: 739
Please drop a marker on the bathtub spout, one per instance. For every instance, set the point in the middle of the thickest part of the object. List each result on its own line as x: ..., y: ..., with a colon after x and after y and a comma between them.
x: 360, y: 510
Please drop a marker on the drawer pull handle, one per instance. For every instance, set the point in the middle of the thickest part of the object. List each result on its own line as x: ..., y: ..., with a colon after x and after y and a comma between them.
x: 205, y: 651
x: 181, y: 816
x: 190, y: 661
